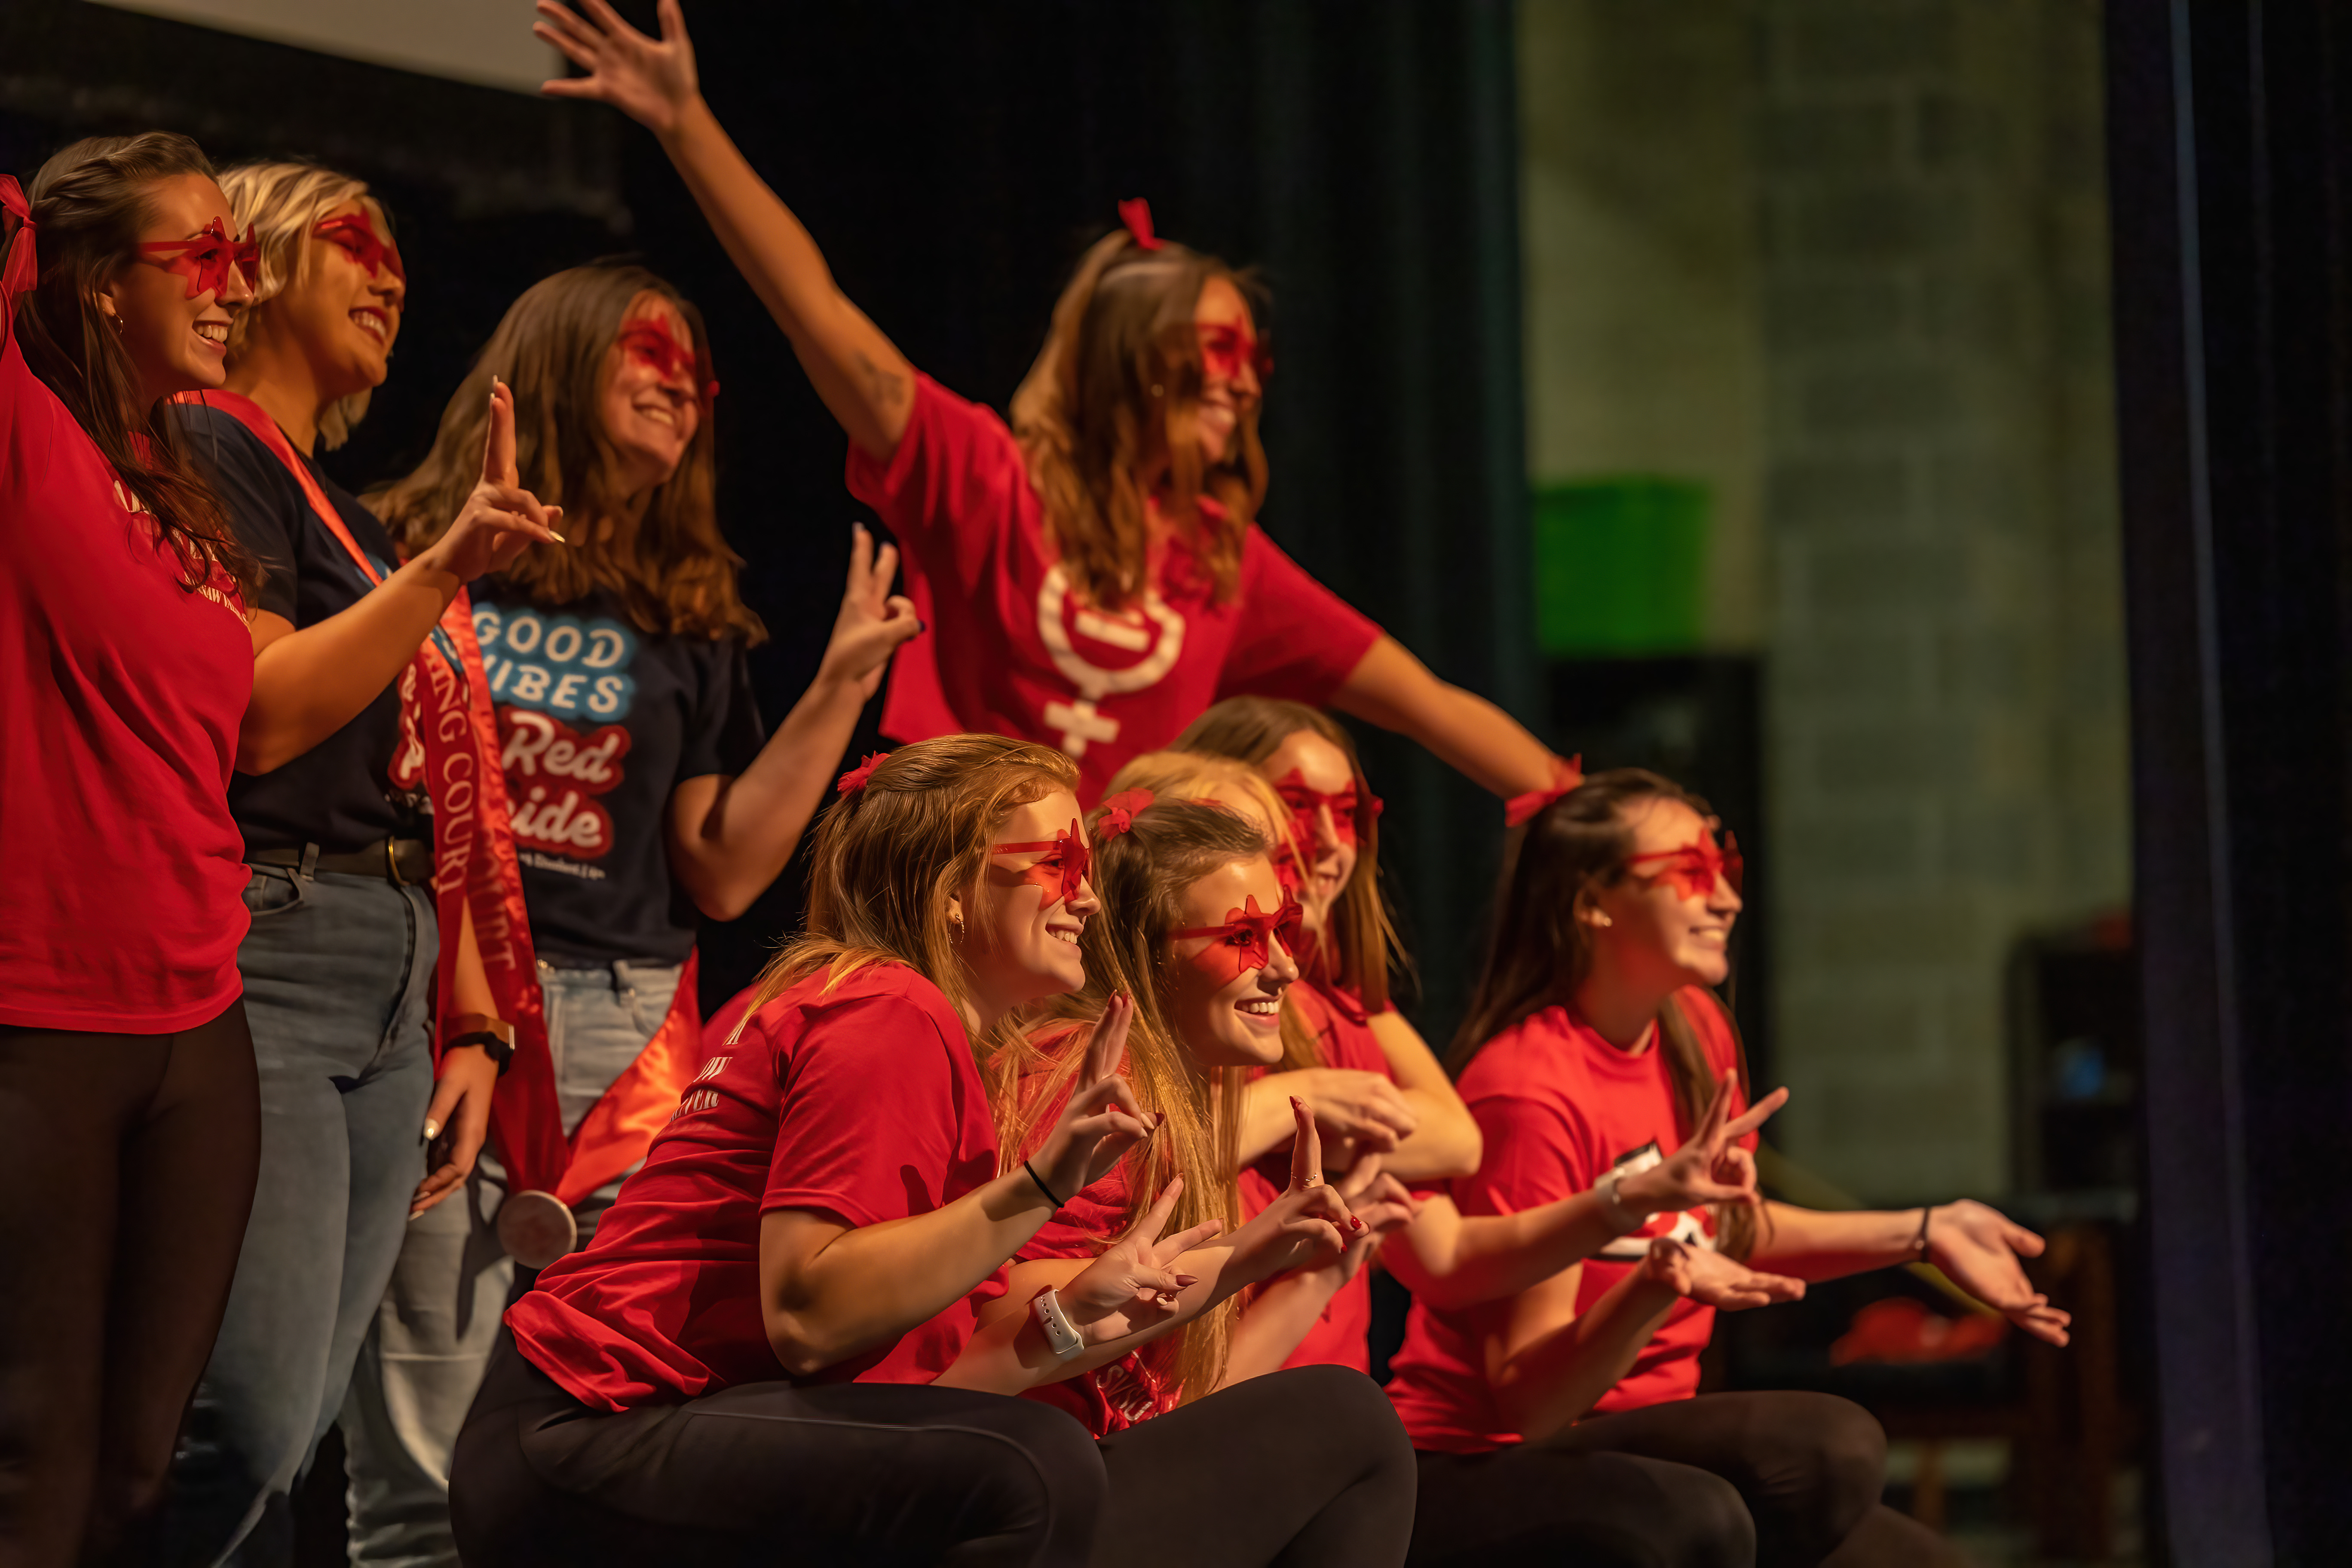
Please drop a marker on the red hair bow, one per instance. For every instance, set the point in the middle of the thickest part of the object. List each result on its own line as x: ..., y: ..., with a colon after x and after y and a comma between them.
x: 1694, y: 867
x: 1119, y: 812
x: 1246, y: 934
x: 23, y: 268
x: 854, y: 779
x: 1135, y: 212
x: 1062, y: 867
x: 1566, y: 772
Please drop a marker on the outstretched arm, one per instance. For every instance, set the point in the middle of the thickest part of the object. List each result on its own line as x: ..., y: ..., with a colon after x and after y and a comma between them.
x: 1978, y: 1247
x: 862, y: 377
x: 729, y: 836
x: 1392, y: 688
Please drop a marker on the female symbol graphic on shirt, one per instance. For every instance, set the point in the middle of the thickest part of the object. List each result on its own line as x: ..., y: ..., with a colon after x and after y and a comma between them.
x: 1159, y: 638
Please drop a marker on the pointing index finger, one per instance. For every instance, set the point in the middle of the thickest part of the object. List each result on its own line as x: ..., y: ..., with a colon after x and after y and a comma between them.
x: 1305, y: 1149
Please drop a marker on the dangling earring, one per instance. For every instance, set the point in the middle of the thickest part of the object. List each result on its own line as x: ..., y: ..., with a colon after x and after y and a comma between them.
x: 1601, y: 918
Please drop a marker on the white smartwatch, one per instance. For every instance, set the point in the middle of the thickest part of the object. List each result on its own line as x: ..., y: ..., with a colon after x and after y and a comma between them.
x: 1062, y: 1336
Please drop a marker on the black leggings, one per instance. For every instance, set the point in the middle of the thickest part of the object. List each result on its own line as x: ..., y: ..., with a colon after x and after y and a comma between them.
x: 1784, y: 1480
x: 1282, y: 1469
x: 127, y: 1166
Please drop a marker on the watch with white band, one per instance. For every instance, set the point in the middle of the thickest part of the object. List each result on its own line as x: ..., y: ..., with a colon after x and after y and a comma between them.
x: 1062, y: 1336
x: 1626, y: 1221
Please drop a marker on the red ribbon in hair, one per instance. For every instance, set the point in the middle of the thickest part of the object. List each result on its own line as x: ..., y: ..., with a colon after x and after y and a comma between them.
x: 1566, y: 772
x: 854, y: 779
x: 1119, y: 812
x: 1135, y: 212
x: 24, y: 269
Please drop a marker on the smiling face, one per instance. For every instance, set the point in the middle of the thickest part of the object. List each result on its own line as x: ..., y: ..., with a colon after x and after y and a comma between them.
x: 1328, y: 840
x: 1228, y: 1019
x: 176, y: 344
x: 1229, y: 380
x: 651, y: 403
x: 1017, y: 946
x: 341, y: 309
x: 1651, y: 935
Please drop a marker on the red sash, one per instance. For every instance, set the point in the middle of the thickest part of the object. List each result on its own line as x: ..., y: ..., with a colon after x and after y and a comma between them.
x: 446, y: 705
x: 477, y: 862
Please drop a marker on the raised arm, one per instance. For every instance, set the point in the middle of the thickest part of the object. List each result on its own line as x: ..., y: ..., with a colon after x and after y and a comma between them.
x: 729, y: 837
x: 1390, y: 687
x: 310, y: 683
x: 862, y: 377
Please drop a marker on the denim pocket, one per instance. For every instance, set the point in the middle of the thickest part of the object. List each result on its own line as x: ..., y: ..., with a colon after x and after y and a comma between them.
x: 273, y: 891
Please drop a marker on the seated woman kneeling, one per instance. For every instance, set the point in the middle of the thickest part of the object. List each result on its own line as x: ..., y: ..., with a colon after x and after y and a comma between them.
x: 739, y: 1364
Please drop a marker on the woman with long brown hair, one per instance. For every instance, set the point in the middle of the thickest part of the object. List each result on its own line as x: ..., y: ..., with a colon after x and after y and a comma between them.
x: 128, y: 1109
x: 646, y: 796
x: 1594, y: 1044
x: 1094, y: 575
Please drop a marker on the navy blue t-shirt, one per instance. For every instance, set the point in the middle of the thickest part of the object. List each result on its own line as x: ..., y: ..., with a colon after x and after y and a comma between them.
x: 599, y: 720
x: 340, y: 794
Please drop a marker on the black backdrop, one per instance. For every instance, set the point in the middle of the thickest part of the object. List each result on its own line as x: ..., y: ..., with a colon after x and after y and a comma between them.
x: 954, y: 160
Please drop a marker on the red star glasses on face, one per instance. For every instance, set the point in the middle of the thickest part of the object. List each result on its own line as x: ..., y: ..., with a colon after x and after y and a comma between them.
x: 1062, y: 869
x: 1244, y: 940
x: 205, y: 260
x: 1225, y: 350
x: 649, y: 341
x: 1694, y: 867
x: 357, y: 236
x: 1350, y: 812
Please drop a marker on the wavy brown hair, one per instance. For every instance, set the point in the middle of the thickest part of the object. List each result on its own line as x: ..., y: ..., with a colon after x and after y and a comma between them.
x: 1360, y: 943
x: 888, y: 855
x: 1541, y: 953
x: 671, y: 569
x: 90, y: 205
x: 1140, y: 876
x: 1117, y: 387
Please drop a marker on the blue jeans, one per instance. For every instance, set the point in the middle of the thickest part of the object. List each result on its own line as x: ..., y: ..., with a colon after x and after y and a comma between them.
x: 338, y: 979
x: 432, y: 1336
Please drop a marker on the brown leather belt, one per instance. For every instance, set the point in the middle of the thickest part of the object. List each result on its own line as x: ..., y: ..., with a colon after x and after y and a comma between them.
x: 399, y: 861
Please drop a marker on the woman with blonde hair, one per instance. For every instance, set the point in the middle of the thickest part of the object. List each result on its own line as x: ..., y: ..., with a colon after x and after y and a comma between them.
x: 782, y: 1338
x: 364, y: 713
x: 1094, y: 575
x: 126, y: 1102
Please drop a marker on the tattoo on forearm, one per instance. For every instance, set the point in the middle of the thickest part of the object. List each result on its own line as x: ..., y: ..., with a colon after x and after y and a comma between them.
x: 885, y: 387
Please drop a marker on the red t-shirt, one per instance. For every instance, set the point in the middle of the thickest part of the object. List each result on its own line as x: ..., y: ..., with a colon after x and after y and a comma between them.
x: 664, y: 1305
x: 121, y: 694
x: 1341, y: 1336
x: 1009, y: 650
x: 1559, y: 1106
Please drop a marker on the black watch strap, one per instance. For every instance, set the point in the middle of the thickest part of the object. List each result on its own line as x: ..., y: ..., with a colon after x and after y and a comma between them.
x: 497, y: 1046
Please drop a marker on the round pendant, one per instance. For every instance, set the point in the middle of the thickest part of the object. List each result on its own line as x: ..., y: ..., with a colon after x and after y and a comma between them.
x: 536, y: 1228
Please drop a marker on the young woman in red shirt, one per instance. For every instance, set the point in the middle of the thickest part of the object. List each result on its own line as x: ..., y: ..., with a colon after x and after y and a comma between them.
x: 127, y: 1108
x: 647, y: 795
x: 1094, y: 575
x: 1374, y: 1091
x: 1592, y: 1044
x: 1193, y: 925
x: 780, y: 1337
